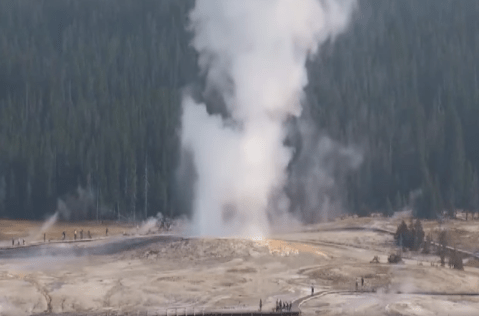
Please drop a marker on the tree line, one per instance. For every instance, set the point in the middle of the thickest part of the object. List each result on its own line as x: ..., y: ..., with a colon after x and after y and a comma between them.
x: 90, y: 105
x: 403, y: 83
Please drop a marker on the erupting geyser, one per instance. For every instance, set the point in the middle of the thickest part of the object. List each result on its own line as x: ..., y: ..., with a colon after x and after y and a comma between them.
x: 254, y: 53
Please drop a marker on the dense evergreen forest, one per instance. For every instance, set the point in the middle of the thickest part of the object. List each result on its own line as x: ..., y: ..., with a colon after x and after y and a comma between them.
x: 90, y: 96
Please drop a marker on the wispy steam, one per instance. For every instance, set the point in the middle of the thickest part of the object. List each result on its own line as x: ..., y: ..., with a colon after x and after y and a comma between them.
x: 45, y: 227
x: 254, y: 53
x: 49, y: 223
x: 317, y: 178
x: 76, y: 205
x: 150, y: 225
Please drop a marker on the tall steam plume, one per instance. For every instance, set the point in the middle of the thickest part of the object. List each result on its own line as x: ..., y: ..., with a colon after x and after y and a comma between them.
x: 253, y: 52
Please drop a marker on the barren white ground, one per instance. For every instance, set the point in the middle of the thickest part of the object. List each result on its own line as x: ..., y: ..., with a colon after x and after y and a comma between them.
x: 226, y: 274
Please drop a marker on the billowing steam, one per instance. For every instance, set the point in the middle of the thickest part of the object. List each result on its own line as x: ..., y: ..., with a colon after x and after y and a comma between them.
x: 253, y: 52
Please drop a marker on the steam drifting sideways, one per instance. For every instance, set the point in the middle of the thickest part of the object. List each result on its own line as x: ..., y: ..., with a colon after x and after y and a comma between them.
x: 253, y: 53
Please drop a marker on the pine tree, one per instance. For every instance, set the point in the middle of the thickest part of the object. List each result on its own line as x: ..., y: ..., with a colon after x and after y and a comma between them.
x: 398, y: 202
x: 456, y: 155
x: 450, y: 202
x: 389, y: 208
x: 419, y: 234
x: 474, y: 194
x: 468, y: 190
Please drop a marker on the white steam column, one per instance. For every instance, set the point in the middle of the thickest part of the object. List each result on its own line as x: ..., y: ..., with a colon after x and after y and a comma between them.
x: 254, y: 52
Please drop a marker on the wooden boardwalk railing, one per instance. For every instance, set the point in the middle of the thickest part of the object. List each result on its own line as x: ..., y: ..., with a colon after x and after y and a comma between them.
x: 153, y: 313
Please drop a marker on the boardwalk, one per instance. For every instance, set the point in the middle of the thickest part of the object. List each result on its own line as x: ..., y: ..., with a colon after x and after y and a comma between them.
x: 295, y: 310
x: 152, y: 313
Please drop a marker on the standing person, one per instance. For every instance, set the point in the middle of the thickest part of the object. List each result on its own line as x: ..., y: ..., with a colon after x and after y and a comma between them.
x: 107, y: 231
x: 23, y: 241
x: 260, y: 304
x: 64, y: 236
x: 75, y: 235
x: 44, y: 237
x: 312, y: 290
x: 13, y: 242
x: 356, y: 285
x: 362, y: 281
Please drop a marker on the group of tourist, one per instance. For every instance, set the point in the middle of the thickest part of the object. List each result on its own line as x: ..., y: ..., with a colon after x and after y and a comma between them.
x: 74, y: 235
x: 362, y: 283
x: 283, y: 306
x: 63, y: 237
x: 18, y: 242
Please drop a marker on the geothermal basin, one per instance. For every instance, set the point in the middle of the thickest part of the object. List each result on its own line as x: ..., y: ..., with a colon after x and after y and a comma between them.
x: 167, y: 273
